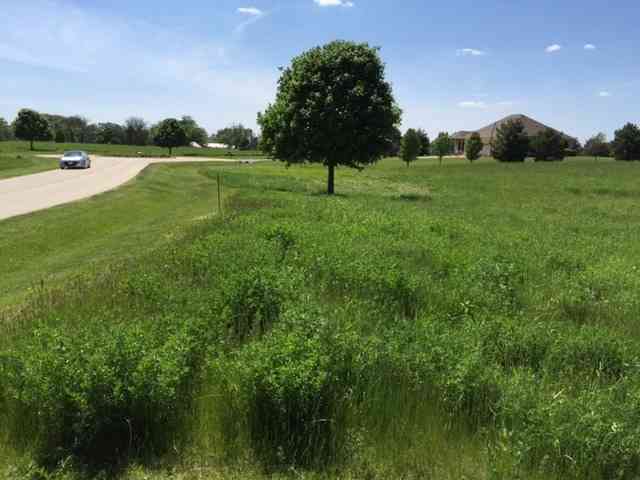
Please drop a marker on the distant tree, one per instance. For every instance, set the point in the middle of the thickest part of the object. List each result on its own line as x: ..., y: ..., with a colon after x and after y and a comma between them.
x: 574, y: 147
x: 170, y: 134
x: 597, y: 146
x: 6, y: 133
x: 626, y: 145
x: 548, y: 145
x: 110, y: 134
x: 410, y: 148
x: 394, y: 143
x: 333, y: 107
x: 195, y: 133
x: 425, y: 143
x: 441, y: 146
x: 136, y: 131
x: 473, y: 147
x: 236, y: 136
x: 511, y: 143
x: 30, y: 126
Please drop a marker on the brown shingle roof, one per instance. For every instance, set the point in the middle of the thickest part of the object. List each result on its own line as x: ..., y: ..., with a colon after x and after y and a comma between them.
x: 531, y: 127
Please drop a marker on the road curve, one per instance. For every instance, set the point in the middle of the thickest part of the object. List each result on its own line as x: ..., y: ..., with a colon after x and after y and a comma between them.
x: 30, y: 193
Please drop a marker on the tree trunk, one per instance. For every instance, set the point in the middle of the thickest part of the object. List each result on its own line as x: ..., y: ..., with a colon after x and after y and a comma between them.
x: 170, y: 149
x: 330, y: 180
x: 31, y: 147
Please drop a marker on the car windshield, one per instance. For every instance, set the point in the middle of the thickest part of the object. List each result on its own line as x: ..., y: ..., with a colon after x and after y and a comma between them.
x: 73, y: 154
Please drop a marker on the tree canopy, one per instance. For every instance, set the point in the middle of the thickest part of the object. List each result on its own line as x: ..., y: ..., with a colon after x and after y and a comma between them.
x: 425, y: 143
x: 194, y: 132
x: 170, y: 134
x: 473, y: 147
x: 511, y: 143
x: 236, y: 136
x: 548, y: 145
x: 597, y: 146
x: 6, y: 133
x: 30, y: 126
x: 410, y: 148
x: 334, y: 107
x: 441, y: 146
x: 136, y: 131
x: 626, y: 145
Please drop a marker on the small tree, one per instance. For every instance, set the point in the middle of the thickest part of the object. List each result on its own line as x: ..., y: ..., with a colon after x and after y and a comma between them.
x: 548, y: 145
x: 170, y: 134
x: 410, y: 147
x: 473, y: 147
x: 511, y: 143
x: 441, y: 146
x: 597, y: 146
x: 626, y: 145
x: 425, y: 143
x: 30, y: 126
x: 333, y: 107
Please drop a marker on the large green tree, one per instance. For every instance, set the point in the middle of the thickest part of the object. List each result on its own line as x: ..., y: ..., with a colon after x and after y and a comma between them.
x: 410, y: 148
x: 236, y: 136
x: 626, y: 145
x: 425, y: 143
x: 110, y: 133
x: 597, y: 146
x: 548, y: 145
x: 511, y: 143
x: 441, y: 146
x: 333, y: 107
x: 473, y: 147
x: 170, y: 134
x: 30, y: 126
x: 6, y: 133
x: 136, y: 131
x: 195, y: 133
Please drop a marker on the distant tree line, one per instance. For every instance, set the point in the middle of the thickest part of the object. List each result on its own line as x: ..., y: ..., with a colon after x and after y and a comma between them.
x: 33, y: 126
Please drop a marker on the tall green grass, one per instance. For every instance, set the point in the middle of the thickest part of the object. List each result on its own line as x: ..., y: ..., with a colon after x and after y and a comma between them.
x: 485, y: 331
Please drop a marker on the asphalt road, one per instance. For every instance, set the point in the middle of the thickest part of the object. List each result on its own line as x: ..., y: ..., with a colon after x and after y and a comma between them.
x: 30, y: 193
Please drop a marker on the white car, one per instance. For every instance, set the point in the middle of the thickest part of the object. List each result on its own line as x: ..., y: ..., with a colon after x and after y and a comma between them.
x: 75, y: 159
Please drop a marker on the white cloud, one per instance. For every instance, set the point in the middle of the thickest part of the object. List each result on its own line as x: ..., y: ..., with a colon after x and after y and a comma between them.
x: 590, y: 46
x: 256, y: 12
x: 472, y: 104
x: 604, y: 94
x: 335, y: 3
x: 553, y: 48
x: 254, y: 15
x: 465, y: 52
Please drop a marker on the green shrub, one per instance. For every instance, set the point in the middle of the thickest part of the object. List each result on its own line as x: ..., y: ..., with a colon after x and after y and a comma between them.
x: 253, y: 302
x: 293, y: 388
x: 101, y: 394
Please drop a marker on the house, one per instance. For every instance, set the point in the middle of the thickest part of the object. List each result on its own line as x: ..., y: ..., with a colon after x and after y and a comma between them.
x: 487, y: 134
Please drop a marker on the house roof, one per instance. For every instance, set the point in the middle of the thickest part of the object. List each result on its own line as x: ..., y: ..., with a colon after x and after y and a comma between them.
x: 531, y: 127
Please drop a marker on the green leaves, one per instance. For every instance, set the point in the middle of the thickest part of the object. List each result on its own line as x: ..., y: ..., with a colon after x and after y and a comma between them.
x: 473, y: 147
x: 511, y: 143
x: 334, y: 107
x: 170, y: 134
x: 410, y: 147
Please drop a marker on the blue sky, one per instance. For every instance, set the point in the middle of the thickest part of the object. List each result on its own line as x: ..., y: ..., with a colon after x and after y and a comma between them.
x: 454, y: 65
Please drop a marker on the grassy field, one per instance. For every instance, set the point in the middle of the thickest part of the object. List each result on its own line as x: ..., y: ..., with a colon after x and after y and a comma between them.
x: 17, y: 164
x: 464, y: 321
x: 125, y: 150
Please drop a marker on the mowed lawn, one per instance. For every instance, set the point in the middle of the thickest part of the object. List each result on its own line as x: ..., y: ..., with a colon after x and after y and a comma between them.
x: 455, y: 321
x: 17, y: 164
x: 124, y: 150
x: 44, y: 247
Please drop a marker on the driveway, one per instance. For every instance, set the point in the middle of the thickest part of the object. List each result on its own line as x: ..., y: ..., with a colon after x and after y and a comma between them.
x: 21, y: 195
